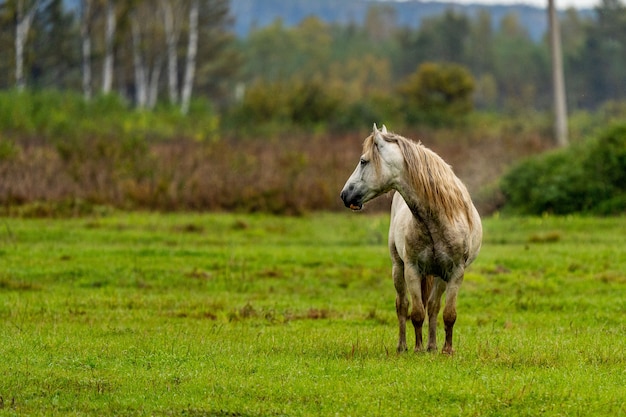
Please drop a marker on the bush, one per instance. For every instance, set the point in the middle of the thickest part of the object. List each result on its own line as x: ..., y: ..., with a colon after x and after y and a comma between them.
x: 588, y: 177
x: 438, y: 94
x: 53, y: 116
x: 285, y: 104
x: 360, y: 115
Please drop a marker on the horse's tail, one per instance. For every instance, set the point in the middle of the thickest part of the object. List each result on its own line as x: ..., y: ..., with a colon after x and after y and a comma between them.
x: 427, y: 286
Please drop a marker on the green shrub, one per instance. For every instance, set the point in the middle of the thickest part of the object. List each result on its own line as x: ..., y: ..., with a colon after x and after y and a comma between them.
x: 286, y: 104
x: 53, y: 116
x: 589, y: 177
x: 360, y: 115
x: 438, y: 94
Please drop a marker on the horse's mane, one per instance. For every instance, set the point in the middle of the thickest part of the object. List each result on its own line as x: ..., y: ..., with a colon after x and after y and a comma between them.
x: 432, y: 179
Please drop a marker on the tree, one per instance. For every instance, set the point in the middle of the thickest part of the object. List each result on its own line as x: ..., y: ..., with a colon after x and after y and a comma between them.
x: 109, y: 36
x: 380, y: 22
x: 520, y: 67
x: 57, y: 66
x: 217, y: 60
x: 438, y: 94
x: 25, y: 13
x: 172, y: 26
x: 192, y: 49
x: 602, y: 60
x: 86, y: 46
x: 147, y: 55
x: 443, y: 38
x: 479, y: 53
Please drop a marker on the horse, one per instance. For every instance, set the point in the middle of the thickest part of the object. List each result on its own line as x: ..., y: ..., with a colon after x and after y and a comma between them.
x: 435, y: 231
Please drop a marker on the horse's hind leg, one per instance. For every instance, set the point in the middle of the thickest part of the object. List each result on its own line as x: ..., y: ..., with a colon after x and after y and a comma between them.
x: 418, y: 312
x: 402, y: 303
x: 434, y: 304
x: 449, y: 312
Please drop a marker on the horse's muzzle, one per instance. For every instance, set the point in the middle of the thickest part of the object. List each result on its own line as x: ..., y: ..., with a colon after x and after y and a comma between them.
x: 350, y: 200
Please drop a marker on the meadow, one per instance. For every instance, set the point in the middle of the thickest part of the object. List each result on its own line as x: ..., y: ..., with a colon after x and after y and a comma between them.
x: 133, y: 314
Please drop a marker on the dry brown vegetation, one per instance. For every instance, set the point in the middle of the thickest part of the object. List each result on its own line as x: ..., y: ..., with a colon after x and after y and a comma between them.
x: 287, y: 175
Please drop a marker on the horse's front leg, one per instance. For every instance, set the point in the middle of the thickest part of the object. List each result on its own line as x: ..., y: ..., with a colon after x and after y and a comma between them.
x: 402, y: 304
x: 449, y: 311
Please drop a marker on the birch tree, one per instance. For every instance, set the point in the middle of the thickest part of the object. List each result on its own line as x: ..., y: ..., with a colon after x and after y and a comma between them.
x: 147, y: 40
x: 109, y: 36
x: 141, y: 93
x: 86, y: 47
x: 172, y: 11
x: 192, y: 50
x: 171, y: 23
x: 25, y: 14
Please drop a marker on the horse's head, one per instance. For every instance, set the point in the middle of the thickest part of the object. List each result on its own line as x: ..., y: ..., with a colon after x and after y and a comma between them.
x: 377, y: 171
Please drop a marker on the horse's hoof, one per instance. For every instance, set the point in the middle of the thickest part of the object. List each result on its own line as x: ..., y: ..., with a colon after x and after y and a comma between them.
x: 447, y: 350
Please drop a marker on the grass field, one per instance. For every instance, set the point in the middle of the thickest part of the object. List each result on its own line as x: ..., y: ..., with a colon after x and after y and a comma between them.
x: 240, y: 315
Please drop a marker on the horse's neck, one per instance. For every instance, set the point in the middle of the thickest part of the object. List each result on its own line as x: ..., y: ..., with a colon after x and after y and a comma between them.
x: 434, y: 217
x: 420, y: 209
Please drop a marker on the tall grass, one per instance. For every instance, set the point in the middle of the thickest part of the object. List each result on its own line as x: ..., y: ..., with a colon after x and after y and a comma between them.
x: 62, y: 156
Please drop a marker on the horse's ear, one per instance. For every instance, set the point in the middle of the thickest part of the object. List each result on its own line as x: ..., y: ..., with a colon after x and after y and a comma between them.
x: 384, y: 129
x: 375, y: 128
x: 378, y: 137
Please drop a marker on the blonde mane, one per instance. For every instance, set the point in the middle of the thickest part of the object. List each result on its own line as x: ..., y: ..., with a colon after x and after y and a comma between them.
x: 432, y: 179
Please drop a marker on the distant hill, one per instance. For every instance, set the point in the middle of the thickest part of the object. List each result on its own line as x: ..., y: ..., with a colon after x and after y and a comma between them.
x: 250, y: 14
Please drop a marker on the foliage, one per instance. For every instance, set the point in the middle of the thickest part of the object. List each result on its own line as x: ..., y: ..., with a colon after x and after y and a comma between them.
x: 438, y: 94
x: 587, y: 177
x: 64, y: 116
x: 146, y: 314
x: 360, y: 60
x: 58, y: 152
x: 295, y: 103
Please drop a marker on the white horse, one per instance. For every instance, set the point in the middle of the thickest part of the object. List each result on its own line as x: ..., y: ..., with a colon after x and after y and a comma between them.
x: 435, y: 230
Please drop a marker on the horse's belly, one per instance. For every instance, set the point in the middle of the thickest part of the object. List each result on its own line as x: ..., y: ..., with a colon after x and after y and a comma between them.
x: 429, y: 261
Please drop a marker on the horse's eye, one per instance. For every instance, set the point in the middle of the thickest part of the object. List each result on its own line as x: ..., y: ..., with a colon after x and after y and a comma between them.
x: 364, y: 161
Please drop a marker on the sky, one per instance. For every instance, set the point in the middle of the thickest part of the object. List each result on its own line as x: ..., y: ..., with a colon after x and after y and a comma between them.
x: 560, y: 4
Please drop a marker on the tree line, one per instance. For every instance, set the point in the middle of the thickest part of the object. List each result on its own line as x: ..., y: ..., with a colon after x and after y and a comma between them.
x: 160, y: 51
x: 137, y: 48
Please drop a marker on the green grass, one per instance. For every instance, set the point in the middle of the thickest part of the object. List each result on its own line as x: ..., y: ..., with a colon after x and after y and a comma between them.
x: 239, y: 315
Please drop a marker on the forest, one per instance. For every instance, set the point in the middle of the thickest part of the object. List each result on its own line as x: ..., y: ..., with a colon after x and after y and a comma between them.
x: 116, y: 93
x: 114, y: 41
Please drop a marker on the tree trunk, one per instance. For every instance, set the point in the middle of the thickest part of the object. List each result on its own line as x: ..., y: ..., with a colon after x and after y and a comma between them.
x: 141, y: 93
x: 107, y: 67
x: 192, y: 49
x: 153, y: 85
x: 171, y: 38
x: 86, y: 47
x: 558, y: 84
x: 22, y: 26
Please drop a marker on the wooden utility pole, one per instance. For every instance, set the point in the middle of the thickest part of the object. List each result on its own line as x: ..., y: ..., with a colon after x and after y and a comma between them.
x: 558, y: 84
